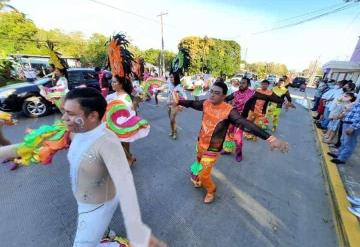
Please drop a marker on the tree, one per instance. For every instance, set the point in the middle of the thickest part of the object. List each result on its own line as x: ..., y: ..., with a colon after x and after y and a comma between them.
x: 218, y: 56
x: 3, y: 5
x: 95, y: 52
x: 262, y: 69
x: 152, y: 56
x: 16, y: 33
x: 169, y: 57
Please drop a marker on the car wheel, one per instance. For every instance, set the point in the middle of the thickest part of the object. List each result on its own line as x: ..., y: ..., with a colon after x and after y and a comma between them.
x: 35, y: 107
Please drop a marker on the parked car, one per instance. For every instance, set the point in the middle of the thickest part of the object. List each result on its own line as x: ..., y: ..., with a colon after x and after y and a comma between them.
x: 26, y: 96
x: 272, y: 79
x: 298, y: 81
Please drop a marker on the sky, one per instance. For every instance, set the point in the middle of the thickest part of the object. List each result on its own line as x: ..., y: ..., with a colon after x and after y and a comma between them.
x: 332, y: 37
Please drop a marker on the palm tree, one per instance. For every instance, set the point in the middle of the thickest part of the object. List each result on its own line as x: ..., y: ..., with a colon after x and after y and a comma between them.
x: 3, y: 5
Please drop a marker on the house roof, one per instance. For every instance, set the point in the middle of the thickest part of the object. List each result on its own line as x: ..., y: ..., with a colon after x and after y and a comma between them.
x: 346, y: 65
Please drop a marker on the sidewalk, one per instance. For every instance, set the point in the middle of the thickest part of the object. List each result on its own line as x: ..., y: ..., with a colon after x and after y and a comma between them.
x: 342, y: 180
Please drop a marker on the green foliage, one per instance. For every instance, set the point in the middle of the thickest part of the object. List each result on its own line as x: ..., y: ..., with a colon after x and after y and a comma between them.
x: 219, y: 56
x: 15, y: 32
x: 263, y: 69
x: 95, y: 52
x: 153, y: 56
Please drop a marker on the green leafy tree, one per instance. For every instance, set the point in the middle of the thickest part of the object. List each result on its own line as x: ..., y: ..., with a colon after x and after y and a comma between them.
x: 219, y: 56
x: 152, y: 56
x: 16, y: 33
x: 95, y: 52
x: 4, y: 4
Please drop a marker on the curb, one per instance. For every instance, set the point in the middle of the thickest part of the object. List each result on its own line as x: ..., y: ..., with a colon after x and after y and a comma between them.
x: 347, y: 225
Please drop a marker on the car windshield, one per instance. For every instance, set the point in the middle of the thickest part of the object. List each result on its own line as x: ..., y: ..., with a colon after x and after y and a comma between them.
x: 300, y: 79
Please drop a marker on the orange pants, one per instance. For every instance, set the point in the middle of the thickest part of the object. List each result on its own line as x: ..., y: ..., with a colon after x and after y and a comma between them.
x: 207, y: 160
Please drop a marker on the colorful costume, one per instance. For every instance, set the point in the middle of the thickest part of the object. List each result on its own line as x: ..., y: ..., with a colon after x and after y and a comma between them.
x: 122, y: 119
x: 152, y: 85
x: 179, y: 66
x: 258, y: 112
x: 7, y: 118
x: 214, y: 125
x: 57, y: 93
x: 39, y: 145
x: 234, y: 137
x: 120, y: 115
x: 274, y: 110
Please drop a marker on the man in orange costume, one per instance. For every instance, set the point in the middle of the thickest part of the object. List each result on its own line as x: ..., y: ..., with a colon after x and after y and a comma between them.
x: 217, y: 115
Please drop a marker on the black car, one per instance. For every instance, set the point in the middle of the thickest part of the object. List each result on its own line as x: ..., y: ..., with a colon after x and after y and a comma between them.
x: 298, y: 81
x: 26, y: 96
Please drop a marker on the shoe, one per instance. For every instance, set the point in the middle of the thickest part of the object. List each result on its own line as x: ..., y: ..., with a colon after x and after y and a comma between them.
x: 332, y: 155
x: 327, y: 141
x: 273, y: 129
x: 209, y: 198
x: 132, y: 161
x: 355, y: 211
x: 355, y: 201
x: 238, y: 158
x: 13, y: 166
x: 109, y: 234
x: 171, y: 133
x: 337, y: 161
x: 6, y: 161
x: 174, y: 136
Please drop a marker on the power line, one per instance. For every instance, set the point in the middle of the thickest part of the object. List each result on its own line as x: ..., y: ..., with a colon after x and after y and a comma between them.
x: 124, y: 11
x: 343, y: 7
x: 308, y: 19
x: 309, y: 13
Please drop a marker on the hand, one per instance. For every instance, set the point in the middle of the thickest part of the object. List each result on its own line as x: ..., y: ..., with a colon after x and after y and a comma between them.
x: 349, y: 131
x: 278, y: 144
x: 289, y: 105
x: 154, y: 242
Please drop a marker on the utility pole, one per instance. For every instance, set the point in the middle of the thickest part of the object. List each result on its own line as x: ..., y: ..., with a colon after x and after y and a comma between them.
x: 162, y: 58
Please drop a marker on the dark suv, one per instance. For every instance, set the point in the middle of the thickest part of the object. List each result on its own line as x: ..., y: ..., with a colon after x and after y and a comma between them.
x: 298, y: 81
x: 26, y: 96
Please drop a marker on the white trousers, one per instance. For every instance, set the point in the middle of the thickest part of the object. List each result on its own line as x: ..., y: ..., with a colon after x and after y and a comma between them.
x: 93, y: 220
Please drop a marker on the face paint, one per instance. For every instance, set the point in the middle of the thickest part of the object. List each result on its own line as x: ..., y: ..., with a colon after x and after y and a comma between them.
x: 79, y: 123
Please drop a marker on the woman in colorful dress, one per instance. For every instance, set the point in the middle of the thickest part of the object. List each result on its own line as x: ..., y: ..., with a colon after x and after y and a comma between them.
x: 125, y: 123
x: 56, y: 94
x: 175, y: 92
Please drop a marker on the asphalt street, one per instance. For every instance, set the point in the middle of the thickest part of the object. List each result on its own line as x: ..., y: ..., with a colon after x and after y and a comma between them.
x: 269, y: 199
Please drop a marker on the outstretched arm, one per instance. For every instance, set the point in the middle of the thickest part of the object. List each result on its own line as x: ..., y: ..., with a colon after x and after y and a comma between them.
x: 197, y: 105
x: 118, y: 167
x: 288, y: 97
x: 8, y: 152
x: 229, y: 97
x: 241, y: 122
x: 273, y: 97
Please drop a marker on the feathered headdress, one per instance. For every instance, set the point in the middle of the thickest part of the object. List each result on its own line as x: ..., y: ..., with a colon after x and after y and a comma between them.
x: 119, y: 57
x: 55, y: 58
x: 138, y: 68
x: 181, y: 62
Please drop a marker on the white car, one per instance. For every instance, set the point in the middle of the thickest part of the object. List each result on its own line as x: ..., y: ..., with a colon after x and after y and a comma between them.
x: 272, y: 79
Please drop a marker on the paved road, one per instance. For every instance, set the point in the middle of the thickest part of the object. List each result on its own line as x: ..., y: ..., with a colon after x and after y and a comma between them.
x: 269, y: 199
